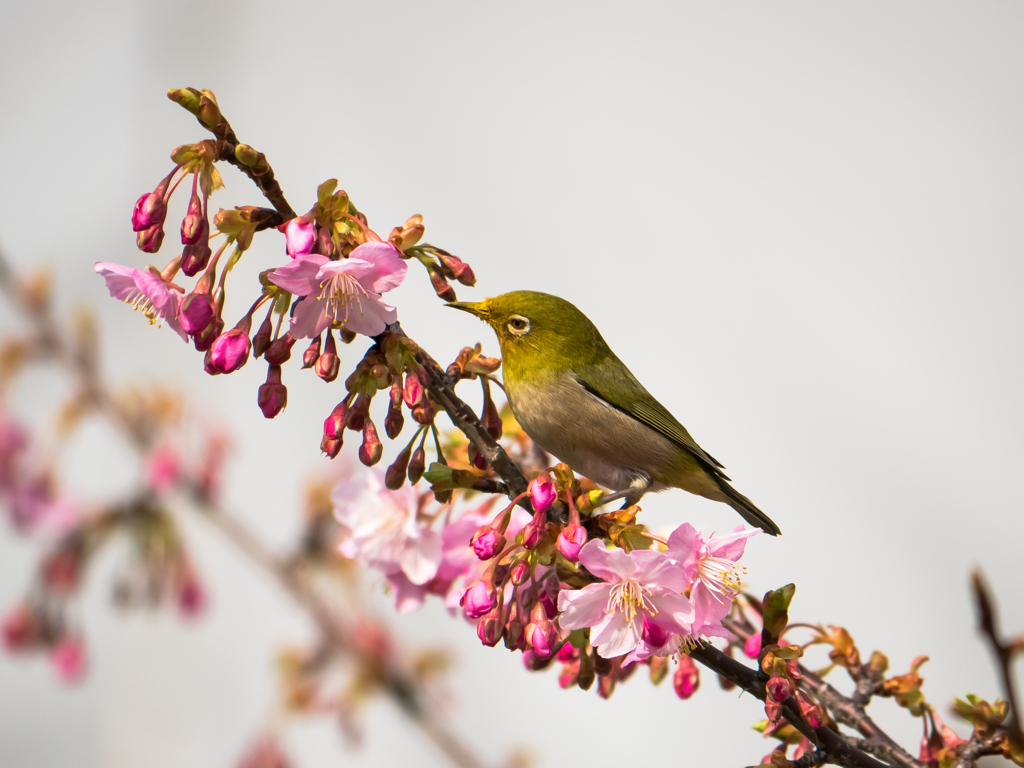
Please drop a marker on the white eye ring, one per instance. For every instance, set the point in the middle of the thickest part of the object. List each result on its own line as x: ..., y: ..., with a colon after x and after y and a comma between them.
x: 518, y: 325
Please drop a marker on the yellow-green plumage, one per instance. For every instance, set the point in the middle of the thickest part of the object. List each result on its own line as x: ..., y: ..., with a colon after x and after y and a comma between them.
x: 579, y: 402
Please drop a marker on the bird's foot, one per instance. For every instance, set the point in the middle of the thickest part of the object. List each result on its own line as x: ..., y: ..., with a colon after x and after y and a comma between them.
x: 632, y: 495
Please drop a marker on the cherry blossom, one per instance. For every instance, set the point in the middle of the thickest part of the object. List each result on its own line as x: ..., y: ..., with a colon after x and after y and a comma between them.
x: 145, y: 292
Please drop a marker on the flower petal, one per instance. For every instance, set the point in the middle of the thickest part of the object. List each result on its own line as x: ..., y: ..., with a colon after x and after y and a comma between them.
x: 299, y: 275
x: 615, y: 636
x: 654, y: 569
x: 420, y: 557
x: 731, y: 545
x: 612, y: 565
x: 580, y: 608
x: 388, y: 270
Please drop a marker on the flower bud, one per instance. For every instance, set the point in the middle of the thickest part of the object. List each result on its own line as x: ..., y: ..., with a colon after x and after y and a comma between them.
x: 312, y: 353
x: 475, y: 458
x: 149, y: 240
x: 424, y: 412
x: 334, y: 425
x: 810, y: 711
x: 686, y: 679
x: 547, y: 597
x: 487, y: 542
x: 455, y: 268
x: 515, y: 633
x: 151, y: 209
x: 191, y: 595
x: 325, y: 243
x: 230, y: 351
x: 394, y: 421
x: 299, y: 235
x: 489, y: 629
x: 542, y: 493
x: 261, y: 340
x: 68, y: 659
x: 371, y: 449
x: 541, y: 633
x: 569, y: 675
x: 567, y: 653
x: 21, y: 629
x: 491, y: 418
x: 280, y: 350
x: 535, y: 662
x: 330, y: 447
x: 417, y: 465
x: 479, y: 598
x: 753, y: 646
x: 273, y: 395
x: 328, y: 365
x: 571, y: 541
x: 653, y: 634
x: 394, y: 478
x: 195, y: 257
x: 412, y: 393
x: 520, y: 572
x: 194, y: 227
x: 197, y: 312
x: 205, y: 338
x: 441, y: 287
x: 778, y: 688
x: 358, y: 413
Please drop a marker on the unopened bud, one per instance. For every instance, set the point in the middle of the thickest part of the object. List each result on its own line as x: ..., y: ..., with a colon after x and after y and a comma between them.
x: 394, y: 478
x: 196, y: 257
x: 334, y: 425
x: 489, y: 630
x: 299, y: 235
x: 280, y: 350
x: 541, y: 633
x: 325, y: 243
x: 151, y: 209
x: 261, y: 340
x: 328, y: 365
x: 543, y: 493
x: 417, y: 465
x: 479, y: 598
x: 571, y: 541
x: 194, y: 227
x: 394, y: 421
x: 203, y: 340
x: 535, y: 662
x: 252, y: 159
x: 149, y: 240
x: 753, y: 646
x: 273, y: 395
x: 424, y: 412
x: 358, y: 414
x: 230, y: 351
x: 413, y: 390
x: 371, y: 449
x: 330, y: 447
x: 778, y: 688
x: 196, y: 312
x: 487, y: 542
x: 491, y: 418
x: 686, y: 679
x: 520, y: 572
x: 312, y: 353
x: 475, y: 458
x: 441, y: 287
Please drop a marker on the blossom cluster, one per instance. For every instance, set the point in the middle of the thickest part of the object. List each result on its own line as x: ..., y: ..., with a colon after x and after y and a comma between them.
x: 569, y: 592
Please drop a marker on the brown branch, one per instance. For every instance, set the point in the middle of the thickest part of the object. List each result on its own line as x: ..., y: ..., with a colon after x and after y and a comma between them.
x: 967, y: 754
x: 1004, y: 653
x: 834, y: 748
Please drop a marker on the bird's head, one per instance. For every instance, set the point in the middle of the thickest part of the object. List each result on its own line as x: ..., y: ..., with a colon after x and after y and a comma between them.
x: 536, y: 329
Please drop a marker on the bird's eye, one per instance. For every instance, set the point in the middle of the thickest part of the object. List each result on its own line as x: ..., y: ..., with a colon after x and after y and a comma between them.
x: 518, y: 325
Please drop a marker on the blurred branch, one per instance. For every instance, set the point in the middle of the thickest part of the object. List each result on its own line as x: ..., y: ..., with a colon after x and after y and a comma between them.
x: 1004, y: 653
x: 402, y: 689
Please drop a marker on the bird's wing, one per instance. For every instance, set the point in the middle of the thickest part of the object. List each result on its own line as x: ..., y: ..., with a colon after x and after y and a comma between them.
x: 649, y: 411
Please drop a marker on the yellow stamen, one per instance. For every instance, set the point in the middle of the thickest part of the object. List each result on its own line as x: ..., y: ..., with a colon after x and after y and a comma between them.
x: 337, y: 290
x: 630, y: 598
x: 141, y: 302
x: 721, y: 575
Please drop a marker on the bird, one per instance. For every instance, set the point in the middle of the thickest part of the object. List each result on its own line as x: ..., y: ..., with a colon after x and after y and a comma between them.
x: 579, y: 402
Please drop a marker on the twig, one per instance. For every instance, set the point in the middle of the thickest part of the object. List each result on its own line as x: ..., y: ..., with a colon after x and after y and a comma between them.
x: 1004, y: 653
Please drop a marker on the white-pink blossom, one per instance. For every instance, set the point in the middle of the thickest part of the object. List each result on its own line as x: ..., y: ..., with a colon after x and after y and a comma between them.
x: 638, y: 602
x: 145, y: 292
x: 347, y: 291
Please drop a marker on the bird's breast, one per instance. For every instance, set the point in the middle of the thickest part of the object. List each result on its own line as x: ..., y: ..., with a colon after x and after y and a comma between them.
x: 587, y: 433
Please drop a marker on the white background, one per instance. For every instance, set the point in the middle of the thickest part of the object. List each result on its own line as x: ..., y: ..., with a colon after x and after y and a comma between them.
x: 799, y: 223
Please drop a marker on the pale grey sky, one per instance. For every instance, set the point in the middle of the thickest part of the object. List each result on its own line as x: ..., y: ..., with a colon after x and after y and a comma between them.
x: 797, y: 222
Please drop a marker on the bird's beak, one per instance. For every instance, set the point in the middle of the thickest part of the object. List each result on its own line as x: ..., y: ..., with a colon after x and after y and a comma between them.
x: 478, y: 308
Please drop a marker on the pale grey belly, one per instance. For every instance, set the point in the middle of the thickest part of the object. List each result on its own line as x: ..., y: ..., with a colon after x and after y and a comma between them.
x: 594, y: 438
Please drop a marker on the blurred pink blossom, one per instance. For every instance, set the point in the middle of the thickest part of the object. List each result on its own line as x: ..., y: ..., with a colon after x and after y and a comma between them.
x: 68, y: 659
x: 163, y: 468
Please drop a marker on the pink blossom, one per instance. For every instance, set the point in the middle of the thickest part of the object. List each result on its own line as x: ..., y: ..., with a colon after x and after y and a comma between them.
x: 637, y: 586
x: 36, y: 504
x: 571, y: 541
x: 346, y: 291
x: 68, y: 659
x: 163, y: 468
x: 710, y: 565
x: 145, y: 292
x: 380, y: 528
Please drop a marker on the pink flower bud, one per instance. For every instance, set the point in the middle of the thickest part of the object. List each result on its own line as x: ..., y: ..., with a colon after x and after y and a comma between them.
x: 479, y: 598
x: 149, y: 240
x: 475, y: 458
x: 21, y: 629
x: 68, y: 659
x: 441, y: 287
x: 753, y: 646
x: 543, y: 493
x: 535, y: 662
x: 653, y: 634
x: 325, y: 243
x: 312, y: 353
x: 279, y: 351
x: 197, y: 311
x: 194, y: 227
x: 328, y: 365
x: 394, y: 421
x: 571, y: 541
x: 547, y: 596
x: 273, y: 395
x: 334, y: 425
x: 195, y: 257
x: 330, y: 447
x: 191, y: 595
x: 163, y: 470
x: 520, y: 572
x: 357, y: 414
x: 569, y: 675
x: 567, y: 653
x: 203, y: 340
x: 299, y: 235
x: 686, y: 680
x: 533, y: 531
x: 262, y: 338
x: 417, y: 465
x: 810, y: 711
x: 489, y: 629
x: 230, y: 351
x: 413, y: 390
x: 394, y: 477
x: 371, y: 449
x: 778, y: 688
x: 150, y: 209
x: 487, y: 542
x: 541, y: 633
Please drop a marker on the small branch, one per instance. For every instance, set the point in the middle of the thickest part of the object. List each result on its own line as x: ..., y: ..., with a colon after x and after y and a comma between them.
x: 967, y: 754
x: 834, y: 748
x: 1004, y: 653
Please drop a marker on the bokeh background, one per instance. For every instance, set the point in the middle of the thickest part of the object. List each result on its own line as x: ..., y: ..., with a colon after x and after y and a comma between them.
x: 798, y: 223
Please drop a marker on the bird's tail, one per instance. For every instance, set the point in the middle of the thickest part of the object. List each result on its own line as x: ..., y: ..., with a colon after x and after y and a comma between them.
x: 747, y: 510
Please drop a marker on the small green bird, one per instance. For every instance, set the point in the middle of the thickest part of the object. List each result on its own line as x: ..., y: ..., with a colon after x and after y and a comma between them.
x: 579, y: 402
